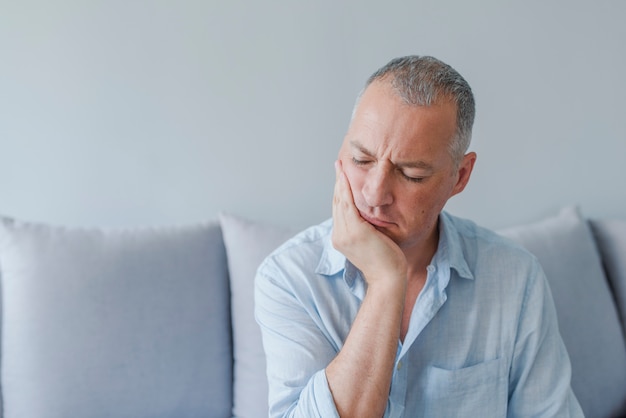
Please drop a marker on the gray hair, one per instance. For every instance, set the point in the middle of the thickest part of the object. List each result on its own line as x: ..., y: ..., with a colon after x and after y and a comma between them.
x: 424, y: 80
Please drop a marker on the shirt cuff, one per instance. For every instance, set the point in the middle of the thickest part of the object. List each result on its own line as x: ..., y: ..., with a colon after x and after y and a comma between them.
x: 323, y: 398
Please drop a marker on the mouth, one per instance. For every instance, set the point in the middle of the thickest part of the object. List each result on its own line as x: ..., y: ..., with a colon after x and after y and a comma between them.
x: 375, y: 221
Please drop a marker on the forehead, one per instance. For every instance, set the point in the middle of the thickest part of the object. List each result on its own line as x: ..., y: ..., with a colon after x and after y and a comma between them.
x: 383, y: 122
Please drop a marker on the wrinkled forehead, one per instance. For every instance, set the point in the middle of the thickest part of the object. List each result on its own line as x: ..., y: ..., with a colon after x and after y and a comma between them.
x: 383, y: 119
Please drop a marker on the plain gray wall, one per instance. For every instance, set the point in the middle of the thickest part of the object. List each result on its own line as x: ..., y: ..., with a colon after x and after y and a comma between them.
x: 141, y: 112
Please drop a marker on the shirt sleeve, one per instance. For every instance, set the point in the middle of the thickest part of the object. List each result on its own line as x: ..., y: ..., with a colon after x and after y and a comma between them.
x: 297, y: 351
x: 539, y: 383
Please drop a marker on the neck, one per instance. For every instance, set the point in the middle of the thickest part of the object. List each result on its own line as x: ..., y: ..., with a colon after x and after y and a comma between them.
x: 421, y: 254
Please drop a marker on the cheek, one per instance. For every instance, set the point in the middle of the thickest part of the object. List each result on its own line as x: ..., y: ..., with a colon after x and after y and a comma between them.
x: 433, y: 202
x: 422, y: 205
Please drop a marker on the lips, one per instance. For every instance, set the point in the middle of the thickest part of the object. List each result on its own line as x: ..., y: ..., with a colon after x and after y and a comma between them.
x: 376, y: 221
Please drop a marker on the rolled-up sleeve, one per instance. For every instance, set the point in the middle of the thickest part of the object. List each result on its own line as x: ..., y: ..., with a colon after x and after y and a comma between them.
x: 296, y: 349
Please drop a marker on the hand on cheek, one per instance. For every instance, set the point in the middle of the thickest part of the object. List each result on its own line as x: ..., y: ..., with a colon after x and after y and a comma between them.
x: 371, y: 251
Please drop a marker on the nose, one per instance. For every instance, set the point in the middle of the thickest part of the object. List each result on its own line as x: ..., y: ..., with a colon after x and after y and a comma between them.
x: 377, y: 190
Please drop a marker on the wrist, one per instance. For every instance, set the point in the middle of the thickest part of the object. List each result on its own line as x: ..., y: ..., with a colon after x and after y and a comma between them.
x: 388, y: 285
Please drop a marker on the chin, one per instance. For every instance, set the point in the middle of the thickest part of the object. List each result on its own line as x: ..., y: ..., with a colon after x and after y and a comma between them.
x: 390, y: 234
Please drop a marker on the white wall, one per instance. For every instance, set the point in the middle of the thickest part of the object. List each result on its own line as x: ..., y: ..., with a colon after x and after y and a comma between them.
x: 149, y: 112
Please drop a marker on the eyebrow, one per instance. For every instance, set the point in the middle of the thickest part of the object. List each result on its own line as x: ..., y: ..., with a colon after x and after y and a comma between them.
x: 403, y: 164
x: 361, y: 148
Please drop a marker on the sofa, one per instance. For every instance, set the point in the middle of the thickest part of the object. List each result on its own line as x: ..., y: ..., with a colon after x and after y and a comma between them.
x: 158, y: 322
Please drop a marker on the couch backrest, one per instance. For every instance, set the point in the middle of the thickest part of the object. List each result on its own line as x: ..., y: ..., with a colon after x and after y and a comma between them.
x: 1, y: 298
x: 102, y: 323
x: 588, y: 318
x: 610, y: 235
x: 37, y: 259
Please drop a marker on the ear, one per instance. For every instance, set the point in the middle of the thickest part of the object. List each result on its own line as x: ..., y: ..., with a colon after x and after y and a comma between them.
x: 464, y: 172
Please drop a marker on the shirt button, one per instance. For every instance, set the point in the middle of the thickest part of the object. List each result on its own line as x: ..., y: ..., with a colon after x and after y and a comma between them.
x: 399, y: 365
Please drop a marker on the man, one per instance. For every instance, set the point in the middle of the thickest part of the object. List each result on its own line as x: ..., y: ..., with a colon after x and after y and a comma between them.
x: 396, y: 308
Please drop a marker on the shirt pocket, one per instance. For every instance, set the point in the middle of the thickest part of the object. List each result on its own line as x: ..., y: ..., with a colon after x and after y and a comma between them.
x: 476, y: 391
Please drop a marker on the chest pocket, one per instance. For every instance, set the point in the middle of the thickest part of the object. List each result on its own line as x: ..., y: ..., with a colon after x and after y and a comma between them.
x: 476, y: 391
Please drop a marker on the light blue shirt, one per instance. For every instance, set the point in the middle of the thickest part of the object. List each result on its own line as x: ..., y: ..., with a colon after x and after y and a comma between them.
x: 483, y: 339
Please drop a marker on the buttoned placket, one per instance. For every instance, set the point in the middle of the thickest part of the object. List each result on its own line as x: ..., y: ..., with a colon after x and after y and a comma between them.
x: 427, y: 305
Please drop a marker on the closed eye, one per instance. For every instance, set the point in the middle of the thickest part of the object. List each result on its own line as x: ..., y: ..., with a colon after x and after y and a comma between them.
x: 412, y: 179
x: 359, y: 162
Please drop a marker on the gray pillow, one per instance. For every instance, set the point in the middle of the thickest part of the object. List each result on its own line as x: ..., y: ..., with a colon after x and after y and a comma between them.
x: 611, y: 238
x: 588, y: 320
x: 247, y: 244
x: 114, y: 323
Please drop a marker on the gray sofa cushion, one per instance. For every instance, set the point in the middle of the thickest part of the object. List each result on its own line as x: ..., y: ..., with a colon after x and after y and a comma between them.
x: 114, y: 323
x: 611, y: 238
x: 247, y: 244
x: 588, y: 319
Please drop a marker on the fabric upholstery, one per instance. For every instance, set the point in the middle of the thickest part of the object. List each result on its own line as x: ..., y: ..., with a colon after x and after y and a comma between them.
x: 136, y: 323
x: 114, y: 323
x: 247, y: 244
x: 588, y: 320
x: 611, y: 239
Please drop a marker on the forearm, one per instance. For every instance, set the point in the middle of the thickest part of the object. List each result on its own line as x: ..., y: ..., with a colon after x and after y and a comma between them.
x: 360, y: 376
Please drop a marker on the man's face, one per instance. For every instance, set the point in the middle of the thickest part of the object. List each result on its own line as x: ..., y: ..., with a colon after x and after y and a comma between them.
x: 398, y: 164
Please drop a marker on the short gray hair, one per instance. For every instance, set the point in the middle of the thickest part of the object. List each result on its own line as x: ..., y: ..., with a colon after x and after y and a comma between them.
x: 424, y: 80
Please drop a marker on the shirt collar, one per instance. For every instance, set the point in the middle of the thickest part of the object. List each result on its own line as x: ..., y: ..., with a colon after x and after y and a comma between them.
x: 450, y: 247
x: 332, y: 261
x: 449, y: 254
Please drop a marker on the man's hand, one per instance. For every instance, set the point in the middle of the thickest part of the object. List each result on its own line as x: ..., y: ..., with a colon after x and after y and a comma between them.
x: 371, y: 251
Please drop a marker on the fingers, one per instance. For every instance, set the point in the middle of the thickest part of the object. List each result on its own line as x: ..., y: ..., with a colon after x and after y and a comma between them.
x: 343, y: 191
x: 344, y: 209
x: 340, y: 181
x: 342, y: 201
x: 349, y: 227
